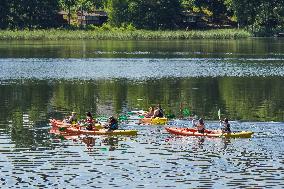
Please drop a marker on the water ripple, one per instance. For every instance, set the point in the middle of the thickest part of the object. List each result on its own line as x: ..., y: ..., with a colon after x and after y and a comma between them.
x: 153, y: 159
x: 92, y: 69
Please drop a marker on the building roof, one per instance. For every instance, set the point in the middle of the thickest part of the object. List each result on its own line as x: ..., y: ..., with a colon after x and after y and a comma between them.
x: 62, y: 12
x: 94, y: 13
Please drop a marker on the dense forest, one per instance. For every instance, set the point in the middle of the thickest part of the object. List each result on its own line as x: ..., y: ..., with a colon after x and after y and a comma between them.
x: 261, y: 17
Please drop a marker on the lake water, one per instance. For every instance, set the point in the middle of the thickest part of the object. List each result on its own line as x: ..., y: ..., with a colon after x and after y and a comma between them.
x: 42, y: 80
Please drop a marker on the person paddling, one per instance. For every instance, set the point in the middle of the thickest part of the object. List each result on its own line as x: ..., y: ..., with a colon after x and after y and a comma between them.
x: 89, y: 121
x: 158, y: 112
x: 200, y: 125
x: 150, y: 113
x: 226, y: 126
x: 112, y: 123
x: 72, y: 119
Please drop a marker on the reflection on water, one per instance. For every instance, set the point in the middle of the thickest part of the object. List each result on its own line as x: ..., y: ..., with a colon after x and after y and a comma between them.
x: 25, y: 103
x: 244, y: 48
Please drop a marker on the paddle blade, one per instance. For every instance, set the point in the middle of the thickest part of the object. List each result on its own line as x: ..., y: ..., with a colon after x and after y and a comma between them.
x: 62, y: 129
x: 170, y: 116
x: 219, y: 114
x: 123, y: 118
x: 102, y: 119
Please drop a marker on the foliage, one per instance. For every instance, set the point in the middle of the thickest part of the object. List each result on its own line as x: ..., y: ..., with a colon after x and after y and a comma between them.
x: 219, y: 9
x: 4, y: 18
x: 144, y: 13
x: 262, y: 17
x: 29, y: 14
x: 117, y: 12
x: 76, y: 5
x: 126, y: 32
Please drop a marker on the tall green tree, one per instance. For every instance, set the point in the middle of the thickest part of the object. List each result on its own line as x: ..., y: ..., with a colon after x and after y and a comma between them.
x: 145, y: 14
x: 118, y: 12
x: 263, y: 17
x: 4, y: 13
x: 169, y: 12
x: 100, y: 4
x: 32, y: 13
x: 219, y: 8
x: 246, y: 11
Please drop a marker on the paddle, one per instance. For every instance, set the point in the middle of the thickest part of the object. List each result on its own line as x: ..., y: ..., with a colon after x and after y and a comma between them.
x: 123, y: 118
x: 170, y: 116
x: 219, y: 115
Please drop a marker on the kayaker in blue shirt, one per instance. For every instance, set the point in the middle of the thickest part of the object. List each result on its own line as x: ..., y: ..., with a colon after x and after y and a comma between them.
x: 112, y: 123
x: 226, y: 126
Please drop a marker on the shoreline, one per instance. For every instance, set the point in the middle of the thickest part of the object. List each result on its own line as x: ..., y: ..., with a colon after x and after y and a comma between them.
x: 119, y: 34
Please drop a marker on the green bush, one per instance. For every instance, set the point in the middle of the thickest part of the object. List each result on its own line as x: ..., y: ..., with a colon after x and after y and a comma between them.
x: 125, y: 32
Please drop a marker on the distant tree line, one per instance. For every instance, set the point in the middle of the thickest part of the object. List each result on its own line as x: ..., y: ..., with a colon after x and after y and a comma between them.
x: 19, y: 14
x: 259, y: 16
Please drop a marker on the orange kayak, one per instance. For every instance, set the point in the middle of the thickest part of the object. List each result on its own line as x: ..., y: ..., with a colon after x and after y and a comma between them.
x: 62, y: 125
x: 208, y: 133
x: 62, y: 128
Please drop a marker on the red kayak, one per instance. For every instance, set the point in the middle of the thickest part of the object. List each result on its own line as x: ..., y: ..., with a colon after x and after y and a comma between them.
x: 208, y: 133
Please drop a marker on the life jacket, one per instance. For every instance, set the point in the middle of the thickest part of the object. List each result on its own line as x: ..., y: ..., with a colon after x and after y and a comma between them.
x: 200, y: 127
x: 227, y: 127
x: 72, y: 120
x: 160, y: 113
x: 113, y: 125
x: 89, y: 121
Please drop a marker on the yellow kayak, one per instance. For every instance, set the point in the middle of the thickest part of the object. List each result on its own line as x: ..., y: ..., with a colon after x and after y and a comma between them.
x: 72, y: 130
x: 154, y: 121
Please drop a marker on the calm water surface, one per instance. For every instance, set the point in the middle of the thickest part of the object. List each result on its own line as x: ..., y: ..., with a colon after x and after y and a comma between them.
x: 43, y: 80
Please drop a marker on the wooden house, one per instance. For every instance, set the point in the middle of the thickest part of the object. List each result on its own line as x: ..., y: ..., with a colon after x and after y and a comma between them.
x: 194, y: 20
x: 95, y: 18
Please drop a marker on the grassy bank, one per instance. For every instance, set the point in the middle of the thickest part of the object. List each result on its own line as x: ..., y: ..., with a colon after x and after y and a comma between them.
x: 119, y: 34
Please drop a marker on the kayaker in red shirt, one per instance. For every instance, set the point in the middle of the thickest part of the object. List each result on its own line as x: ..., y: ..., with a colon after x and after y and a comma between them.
x: 89, y: 121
